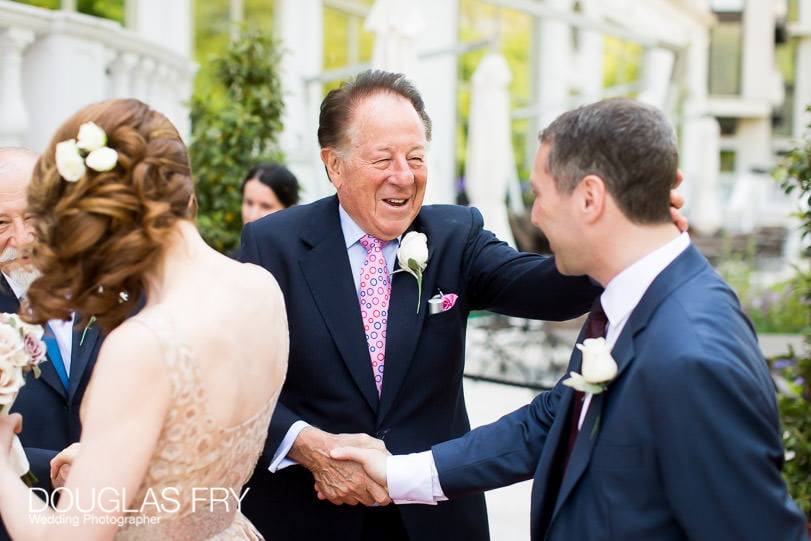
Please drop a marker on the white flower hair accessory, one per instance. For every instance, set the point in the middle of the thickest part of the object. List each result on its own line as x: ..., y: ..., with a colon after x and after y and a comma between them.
x: 89, y: 149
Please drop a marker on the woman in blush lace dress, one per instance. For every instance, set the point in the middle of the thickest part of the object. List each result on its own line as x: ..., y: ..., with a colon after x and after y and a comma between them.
x: 181, y: 396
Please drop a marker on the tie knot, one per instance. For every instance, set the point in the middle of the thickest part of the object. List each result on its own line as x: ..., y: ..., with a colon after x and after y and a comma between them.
x: 372, y: 244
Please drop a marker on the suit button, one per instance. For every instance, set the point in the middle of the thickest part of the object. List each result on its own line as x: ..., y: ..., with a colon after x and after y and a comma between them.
x: 381, y: 434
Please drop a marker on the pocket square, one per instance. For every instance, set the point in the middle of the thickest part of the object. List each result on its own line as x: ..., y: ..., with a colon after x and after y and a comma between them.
x: 441, y: 303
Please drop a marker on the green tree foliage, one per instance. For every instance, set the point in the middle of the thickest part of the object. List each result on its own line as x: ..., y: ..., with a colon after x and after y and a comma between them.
x: 231, y: 135
x: 212, y: 30
x: 793, y: 371
x: 107, y: 9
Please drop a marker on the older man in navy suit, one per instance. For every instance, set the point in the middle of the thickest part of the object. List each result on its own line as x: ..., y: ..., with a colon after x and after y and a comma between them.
x: 50, y: 404
x: 374, y: 136
x: 679, y: 437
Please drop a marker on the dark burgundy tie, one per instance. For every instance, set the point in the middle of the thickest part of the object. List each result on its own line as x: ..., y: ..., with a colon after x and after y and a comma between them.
x: 595, y: 328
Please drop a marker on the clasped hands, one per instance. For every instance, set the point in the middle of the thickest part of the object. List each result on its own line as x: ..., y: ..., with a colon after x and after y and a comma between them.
x: 347, y: 468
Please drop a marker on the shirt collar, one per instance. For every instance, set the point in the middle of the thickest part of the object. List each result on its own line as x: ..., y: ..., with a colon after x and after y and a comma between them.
x: 15, y: 288
x: 626, y: 289
x: 352, y: 231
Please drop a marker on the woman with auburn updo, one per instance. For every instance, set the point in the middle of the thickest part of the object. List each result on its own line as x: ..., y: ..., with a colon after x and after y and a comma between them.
x: 180, y: 400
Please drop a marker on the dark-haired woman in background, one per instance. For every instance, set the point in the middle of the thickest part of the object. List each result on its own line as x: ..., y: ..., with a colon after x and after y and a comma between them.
x: 266, y: 189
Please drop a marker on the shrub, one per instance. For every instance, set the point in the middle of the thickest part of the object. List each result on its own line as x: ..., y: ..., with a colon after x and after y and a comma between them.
x: 793, y: 371
x: 232, y: 134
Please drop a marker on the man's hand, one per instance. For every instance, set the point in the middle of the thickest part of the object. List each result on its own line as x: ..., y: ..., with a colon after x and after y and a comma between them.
x: 61, y: 463
x: 339, y: 481
x: 677, y: 202
x: 372, y: 460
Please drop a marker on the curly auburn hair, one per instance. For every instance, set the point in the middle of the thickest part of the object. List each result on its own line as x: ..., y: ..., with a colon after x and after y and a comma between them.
x: 97, y: 237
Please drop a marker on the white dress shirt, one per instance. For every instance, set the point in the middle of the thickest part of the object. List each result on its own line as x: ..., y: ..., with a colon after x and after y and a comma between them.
x: 413, y: 478
x: 356, y: 253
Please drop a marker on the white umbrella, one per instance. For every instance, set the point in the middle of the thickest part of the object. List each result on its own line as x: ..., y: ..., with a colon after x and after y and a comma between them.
x: 490, y: 164
x: 396, y: 25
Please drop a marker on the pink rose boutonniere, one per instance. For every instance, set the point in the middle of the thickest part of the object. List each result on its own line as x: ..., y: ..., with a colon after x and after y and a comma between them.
x: 21, y: 350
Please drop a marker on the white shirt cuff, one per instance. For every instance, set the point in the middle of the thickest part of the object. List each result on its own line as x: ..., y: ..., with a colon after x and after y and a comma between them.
x: 413, y: 479
x: 280, y: 460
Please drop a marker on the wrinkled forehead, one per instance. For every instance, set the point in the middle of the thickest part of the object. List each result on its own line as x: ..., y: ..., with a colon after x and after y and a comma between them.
x: 385, y: 119
x: 14, y: 181
x: 17, y: 162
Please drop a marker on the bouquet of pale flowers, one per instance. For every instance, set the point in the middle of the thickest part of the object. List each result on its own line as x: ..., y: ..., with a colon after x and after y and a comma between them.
x: 21, y: 350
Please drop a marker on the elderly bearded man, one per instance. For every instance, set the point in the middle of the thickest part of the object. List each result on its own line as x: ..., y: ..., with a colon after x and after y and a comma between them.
x: 51, y: 403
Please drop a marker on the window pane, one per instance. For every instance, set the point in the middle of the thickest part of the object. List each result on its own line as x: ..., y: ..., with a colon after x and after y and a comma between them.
x: 725, y: 55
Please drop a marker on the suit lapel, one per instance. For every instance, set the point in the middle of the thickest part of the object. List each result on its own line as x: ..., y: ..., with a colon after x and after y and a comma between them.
x: 8, y: 300
x: 687, y: 264
x: 402, y: 330
x: 581, y: 452
x: 10, y: 304
x: 80, y: 354
x: 326, y: 270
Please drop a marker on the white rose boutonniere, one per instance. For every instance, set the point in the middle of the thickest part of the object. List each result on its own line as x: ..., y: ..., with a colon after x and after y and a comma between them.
x: 413, y: 258
x: 598, y: 367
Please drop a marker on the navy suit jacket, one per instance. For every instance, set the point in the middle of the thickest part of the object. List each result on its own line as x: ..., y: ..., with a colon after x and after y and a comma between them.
x: 51, y: 413
x: 329, y: 380
x: 683, y: 444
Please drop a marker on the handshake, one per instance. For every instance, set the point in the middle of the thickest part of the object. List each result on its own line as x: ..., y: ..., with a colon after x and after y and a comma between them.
x: 347, y: 468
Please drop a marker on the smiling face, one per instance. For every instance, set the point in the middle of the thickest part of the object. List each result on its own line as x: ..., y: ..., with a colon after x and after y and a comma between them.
x: 16, y: 225
x: 554, y: 213
x: 380, y: 172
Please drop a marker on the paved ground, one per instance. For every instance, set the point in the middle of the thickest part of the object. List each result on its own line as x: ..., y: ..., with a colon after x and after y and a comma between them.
x: 508, y: 507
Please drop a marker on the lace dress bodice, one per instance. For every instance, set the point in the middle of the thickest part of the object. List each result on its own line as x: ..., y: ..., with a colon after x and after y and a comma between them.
x: 194, y: 479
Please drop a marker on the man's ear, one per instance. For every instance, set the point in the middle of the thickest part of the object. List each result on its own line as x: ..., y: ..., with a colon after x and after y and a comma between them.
x: 593, y: 195
x: 332, y: 163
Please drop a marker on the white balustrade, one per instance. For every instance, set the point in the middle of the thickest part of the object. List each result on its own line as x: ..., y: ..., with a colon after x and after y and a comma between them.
x: 55, y: 62
x: 13, y: 115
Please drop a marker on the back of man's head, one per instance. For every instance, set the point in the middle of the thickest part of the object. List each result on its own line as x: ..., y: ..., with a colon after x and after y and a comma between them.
x: 629, y: 144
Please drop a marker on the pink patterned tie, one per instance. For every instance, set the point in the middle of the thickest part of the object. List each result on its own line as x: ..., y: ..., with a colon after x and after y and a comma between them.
x: 374, y: 293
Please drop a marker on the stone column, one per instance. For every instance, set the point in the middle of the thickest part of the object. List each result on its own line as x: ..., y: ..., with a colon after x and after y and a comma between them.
x: 121, y: 75
x: 302, y: 62
x: 554, y: 54
x: 551, y: 58
x: 13, y: 111
x: 802, y: 76
x: 657, y: 70
x: 167, y: 23
x: 142, y: 79
x: 436, y: 79
x: 590, y: 56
